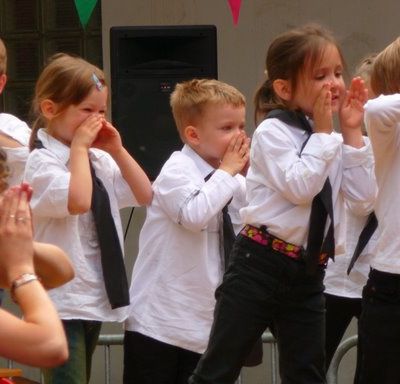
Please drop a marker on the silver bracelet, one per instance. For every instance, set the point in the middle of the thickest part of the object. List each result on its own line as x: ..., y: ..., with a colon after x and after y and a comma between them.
x: 23, y: 279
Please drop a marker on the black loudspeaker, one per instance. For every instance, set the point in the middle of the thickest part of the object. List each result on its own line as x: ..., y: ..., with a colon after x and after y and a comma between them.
x: 146, y: 63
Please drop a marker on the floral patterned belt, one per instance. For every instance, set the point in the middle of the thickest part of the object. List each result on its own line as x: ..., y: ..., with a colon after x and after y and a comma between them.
x: 261, y: 236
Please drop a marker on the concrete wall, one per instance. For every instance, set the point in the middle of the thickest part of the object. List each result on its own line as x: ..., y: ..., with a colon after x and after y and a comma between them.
x: 361, y: 26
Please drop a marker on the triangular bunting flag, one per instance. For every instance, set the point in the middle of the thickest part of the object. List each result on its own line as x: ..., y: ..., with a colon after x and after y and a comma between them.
x: 85, y: 9
x: 235, y: 9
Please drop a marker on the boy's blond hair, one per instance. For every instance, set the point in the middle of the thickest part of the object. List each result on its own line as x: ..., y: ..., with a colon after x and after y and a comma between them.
x: 385, y: 75
x: 3, y: 58
x: 190, y: 99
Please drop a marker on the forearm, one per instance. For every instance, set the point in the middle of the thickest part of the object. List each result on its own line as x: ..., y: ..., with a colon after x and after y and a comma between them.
x: 52, y: 265
x: 38, y: 339
x: 134, y: 175
x: 353, y: 137
x: 80, y: 187
x: 8, y: 142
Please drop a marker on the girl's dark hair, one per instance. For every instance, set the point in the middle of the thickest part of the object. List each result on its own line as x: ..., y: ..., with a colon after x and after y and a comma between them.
x: 287, y: 57
x: 66, y: 80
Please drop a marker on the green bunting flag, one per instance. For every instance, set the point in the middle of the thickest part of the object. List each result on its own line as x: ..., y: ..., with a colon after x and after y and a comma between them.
x: 85, y: 9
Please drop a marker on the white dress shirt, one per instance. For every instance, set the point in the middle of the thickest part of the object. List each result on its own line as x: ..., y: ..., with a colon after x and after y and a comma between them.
x: 382, y: 120
x: 337, y: 281
x: 281, y: 184
x: 16, y: 157
x: 179, y: 262
x: 47, y: 171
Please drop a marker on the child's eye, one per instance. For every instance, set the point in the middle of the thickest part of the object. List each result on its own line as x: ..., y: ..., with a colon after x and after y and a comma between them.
x: 87, y: 110
x: 338, y: 74
x: 226, y: 128
x: 319, y: 77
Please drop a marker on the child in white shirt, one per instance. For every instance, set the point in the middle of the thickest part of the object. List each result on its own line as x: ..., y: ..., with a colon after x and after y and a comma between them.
x: 78, y: 161
x: 180, y: 261
x: 300, y: 175
x: 379, y: 325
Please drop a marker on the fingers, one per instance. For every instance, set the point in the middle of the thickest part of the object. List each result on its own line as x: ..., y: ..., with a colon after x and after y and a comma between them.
x: 28, y: 189
x: 23, y: 213
x: 322, y: 110
x: 237, y: 154
x: 358, y: 90
x: 14, y: 207
x: 323, y: 100
x: 88, y: 130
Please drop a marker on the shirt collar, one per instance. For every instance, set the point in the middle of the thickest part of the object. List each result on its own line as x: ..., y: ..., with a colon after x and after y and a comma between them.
x: 204, y: 168
x: 59, y: 149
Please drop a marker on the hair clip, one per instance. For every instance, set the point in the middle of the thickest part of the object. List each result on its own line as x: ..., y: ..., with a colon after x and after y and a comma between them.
x: 99, y: 85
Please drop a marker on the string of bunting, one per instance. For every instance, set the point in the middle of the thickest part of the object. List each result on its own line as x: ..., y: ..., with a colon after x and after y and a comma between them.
x: 85, y: 9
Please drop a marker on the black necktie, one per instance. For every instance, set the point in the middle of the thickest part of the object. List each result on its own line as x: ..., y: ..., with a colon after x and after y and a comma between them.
x: 112, y: 261
x: 228, y: 233
x: 368, y: 230
x: 227, y: 229
x: 321, y: 206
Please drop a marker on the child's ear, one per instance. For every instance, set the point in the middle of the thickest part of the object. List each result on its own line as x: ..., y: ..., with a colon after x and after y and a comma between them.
x: 48, y: 108
x: 283, y: 89
x: 3, y: 81
x: 191, y: 135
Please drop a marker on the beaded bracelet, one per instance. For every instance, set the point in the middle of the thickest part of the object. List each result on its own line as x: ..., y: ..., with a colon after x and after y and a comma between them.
x: 25, y: 278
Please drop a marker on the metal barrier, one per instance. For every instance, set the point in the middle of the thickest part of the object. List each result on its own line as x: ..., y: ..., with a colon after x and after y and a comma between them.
x: 343, y: 348
x: 107, y: 341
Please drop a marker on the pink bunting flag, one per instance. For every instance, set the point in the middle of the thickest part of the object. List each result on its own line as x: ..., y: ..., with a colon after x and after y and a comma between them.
x: 235, y: 9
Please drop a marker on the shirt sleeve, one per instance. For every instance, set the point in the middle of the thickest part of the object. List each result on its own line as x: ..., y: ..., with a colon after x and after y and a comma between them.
x: 238, y: 201
x: 123, y: 193
x: 382, y: 116
x: 358, y: 183
x: 49, y: 179
x: 275, y: 154
x: 187, y: 199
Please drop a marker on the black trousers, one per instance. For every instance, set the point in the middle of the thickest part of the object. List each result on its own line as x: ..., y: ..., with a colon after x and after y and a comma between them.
x: 339, y: 313
x: 379, y: 330
x: 149, y: 361
x: 263, y: 288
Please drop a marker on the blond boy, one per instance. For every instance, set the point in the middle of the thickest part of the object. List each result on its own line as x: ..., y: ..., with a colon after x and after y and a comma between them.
x: 180, y: 260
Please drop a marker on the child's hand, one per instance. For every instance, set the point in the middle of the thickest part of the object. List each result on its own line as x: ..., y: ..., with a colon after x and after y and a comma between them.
x: 236, y: 155
x: 87, y: 132
x: 352, y: 110
x: 322, y: 112
x: 108, y: 139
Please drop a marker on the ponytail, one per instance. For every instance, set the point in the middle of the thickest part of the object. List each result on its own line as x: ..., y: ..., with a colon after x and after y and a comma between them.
x: 35, y: 128
x: 265, y: 100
